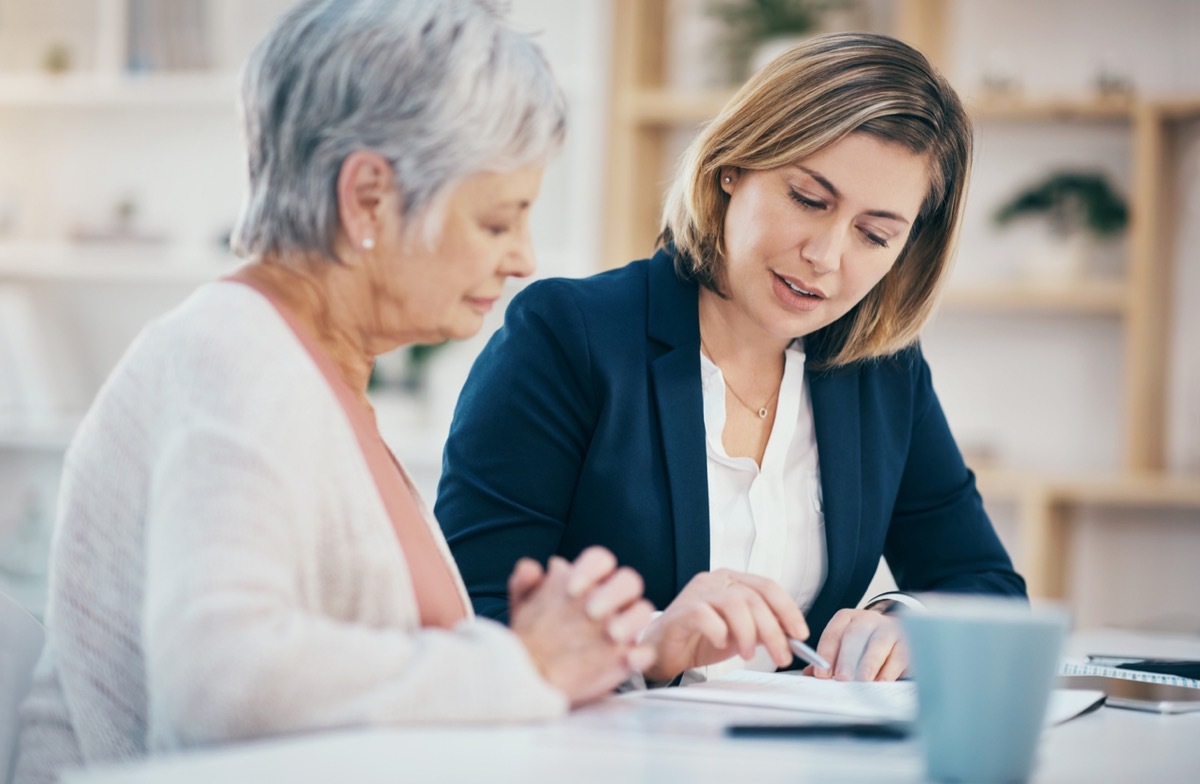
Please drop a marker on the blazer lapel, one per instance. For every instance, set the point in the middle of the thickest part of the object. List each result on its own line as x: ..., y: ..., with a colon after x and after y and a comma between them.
x: 839, y: 445
x: 673, y: 323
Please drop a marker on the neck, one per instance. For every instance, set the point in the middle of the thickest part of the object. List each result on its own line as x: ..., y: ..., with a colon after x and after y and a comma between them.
x: 327, y: 301
x: 731, y: 338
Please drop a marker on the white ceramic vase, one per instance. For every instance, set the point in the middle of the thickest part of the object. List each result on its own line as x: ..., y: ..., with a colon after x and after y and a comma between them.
x: 1058, y: 259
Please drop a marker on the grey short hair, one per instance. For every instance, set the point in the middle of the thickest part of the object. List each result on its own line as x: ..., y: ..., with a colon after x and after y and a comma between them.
x: 442, y: 89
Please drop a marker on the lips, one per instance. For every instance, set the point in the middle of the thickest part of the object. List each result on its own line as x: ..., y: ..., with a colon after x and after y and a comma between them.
x: 801, y: 288
x: 482, y: 304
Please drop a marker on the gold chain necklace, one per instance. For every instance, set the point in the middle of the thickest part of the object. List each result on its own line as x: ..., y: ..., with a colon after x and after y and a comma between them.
x: 761, y: 410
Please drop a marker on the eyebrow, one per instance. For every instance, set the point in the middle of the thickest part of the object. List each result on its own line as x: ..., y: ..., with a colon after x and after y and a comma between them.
x: 827, y: 185
x: 513, y: 205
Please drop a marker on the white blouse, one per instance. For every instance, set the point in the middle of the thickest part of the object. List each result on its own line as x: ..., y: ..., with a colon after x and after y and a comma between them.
x: 767, y: 519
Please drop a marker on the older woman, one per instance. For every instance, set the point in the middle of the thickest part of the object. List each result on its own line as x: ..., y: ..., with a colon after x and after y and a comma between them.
x: 746, y: 418
x: 237, y: 552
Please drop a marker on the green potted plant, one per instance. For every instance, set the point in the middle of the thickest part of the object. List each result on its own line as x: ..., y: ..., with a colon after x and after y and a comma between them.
x: 757, y: 31
x: 1077, y: 208
x: 406, y: 369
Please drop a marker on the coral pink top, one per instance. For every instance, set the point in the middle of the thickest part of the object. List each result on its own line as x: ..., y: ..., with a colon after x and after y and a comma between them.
x: 434, y: 584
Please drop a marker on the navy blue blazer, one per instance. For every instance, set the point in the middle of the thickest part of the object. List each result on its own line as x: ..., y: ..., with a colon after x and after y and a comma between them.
x: 582, y: 423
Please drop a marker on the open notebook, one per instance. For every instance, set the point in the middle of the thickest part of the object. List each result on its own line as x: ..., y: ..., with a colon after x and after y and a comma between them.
x: 1133, y: 689
x: 895, y: 701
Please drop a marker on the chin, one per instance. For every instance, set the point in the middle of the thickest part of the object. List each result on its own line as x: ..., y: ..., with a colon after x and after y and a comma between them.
x: 461, y: 331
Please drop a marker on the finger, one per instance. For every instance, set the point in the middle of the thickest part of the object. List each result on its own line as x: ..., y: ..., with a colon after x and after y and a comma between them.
x: 618, y: 591
x: 526, y: 576
x: 770, y: 633
x: 640, y: 658
x: 558, y: 569
x: 782, y: 605
x: 706, y: 622
x: 853, y: 646
x: 896, y: 666
x: 593, y: 565
x: 684, y: 623
x: 734, y: 607
x: 831, y: 641
x: 627, y: 626
x: 878, y: 649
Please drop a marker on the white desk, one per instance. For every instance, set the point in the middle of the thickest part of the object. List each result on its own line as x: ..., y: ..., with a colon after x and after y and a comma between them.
x: 640, y: 740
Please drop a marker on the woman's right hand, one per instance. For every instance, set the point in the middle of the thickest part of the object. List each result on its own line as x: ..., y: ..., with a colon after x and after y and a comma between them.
x: 581, y: 621
x: 719, y: 614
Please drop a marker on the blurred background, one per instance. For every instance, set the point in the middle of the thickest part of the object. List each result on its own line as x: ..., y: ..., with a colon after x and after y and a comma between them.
x: 1064, y: 352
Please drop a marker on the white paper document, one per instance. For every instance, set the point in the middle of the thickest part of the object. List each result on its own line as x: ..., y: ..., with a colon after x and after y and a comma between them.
x: 883, y: 701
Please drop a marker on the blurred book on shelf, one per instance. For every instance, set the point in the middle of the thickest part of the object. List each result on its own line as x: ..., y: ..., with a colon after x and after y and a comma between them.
x: 168, y: 35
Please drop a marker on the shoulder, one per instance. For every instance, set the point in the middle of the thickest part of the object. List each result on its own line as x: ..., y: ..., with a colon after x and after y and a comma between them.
x: 907, y: 363
x: 226, y: 355
x: 615, y: 289
x: 900, y: 381
x: 219, y: 322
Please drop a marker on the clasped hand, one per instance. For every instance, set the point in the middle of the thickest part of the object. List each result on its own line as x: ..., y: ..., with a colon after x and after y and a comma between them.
x: 581, y: 621
x: 724, y: 613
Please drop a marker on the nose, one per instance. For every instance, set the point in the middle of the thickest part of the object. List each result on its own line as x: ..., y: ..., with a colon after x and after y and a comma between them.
x: 519, y: 262
x: 823, y: 249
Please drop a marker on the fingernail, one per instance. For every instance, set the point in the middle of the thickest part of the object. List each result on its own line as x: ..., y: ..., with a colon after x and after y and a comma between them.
x: 617, y: 632
x: 595, y: 609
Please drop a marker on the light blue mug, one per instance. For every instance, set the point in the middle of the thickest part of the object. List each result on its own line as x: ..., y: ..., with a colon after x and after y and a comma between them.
x: 984, y: 668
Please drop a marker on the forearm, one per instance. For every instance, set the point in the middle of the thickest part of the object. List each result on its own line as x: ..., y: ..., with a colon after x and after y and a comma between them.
x: 229, y: 676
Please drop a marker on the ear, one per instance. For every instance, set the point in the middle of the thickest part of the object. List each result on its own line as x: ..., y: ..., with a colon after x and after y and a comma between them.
x: 365, y: 185
x: 728, y: 177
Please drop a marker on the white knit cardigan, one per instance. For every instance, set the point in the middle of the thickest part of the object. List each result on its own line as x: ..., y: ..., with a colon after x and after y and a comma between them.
x: 223, y: 567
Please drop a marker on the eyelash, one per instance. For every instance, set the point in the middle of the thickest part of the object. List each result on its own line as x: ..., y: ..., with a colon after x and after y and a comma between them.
x: 810, y: 204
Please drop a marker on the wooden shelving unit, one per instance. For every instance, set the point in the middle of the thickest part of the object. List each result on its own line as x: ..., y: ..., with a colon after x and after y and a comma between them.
x: 645, y: 111
x: 1102, y: 298
x: 119, y: 91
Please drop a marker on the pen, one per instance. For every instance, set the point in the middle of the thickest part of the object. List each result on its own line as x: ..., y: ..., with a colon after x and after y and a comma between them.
x: 808, y: 654
x: 860, y: 730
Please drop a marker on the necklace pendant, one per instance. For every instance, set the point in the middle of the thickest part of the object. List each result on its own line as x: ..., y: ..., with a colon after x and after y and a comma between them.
x: 762, y: 413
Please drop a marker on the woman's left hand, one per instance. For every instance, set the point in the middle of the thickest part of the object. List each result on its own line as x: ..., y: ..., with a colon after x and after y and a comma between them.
x: 863, y: 645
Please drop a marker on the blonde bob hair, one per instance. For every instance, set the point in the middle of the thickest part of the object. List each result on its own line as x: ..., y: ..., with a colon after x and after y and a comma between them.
x: 807, y: 99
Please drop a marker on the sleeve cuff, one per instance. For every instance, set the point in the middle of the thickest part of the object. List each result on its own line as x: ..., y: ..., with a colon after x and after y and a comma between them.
x: 894, y: 600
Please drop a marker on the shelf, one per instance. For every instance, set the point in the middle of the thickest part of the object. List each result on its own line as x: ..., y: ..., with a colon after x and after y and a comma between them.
x: 29, y: 591
x: 671, y: 107
x: 116, y: 262
x: 1090, y: 298
x: 50, y: 438
x: 1183, y: 108
x: 1151, y: 490
x: 1124, y: 490
x: 1052, y: 109
x: 176, y: 90
x: 49, y: 431
x: 668, y: 107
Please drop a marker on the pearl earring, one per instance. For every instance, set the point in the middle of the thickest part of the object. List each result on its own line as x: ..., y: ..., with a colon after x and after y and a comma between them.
x: 728, y: 179
x: 368, y: 243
